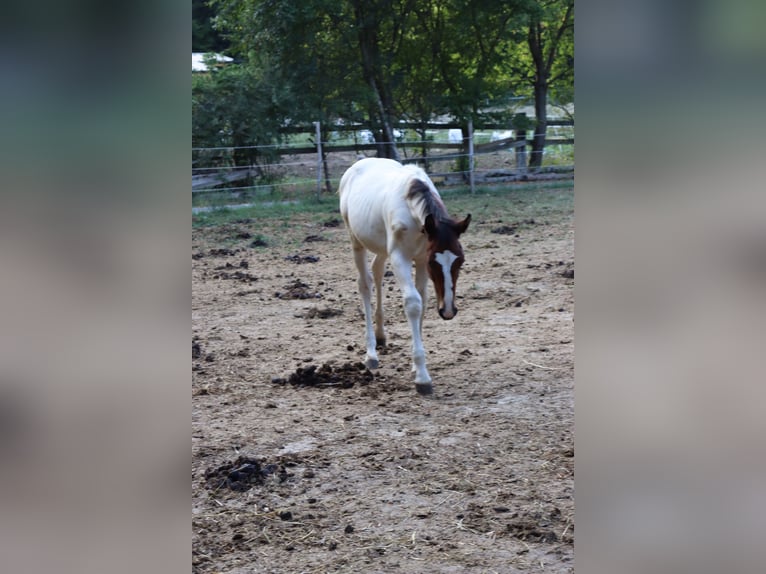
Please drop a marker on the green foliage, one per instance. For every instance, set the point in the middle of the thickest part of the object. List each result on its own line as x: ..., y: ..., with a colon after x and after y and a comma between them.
x: 236, y: 106
x: 521, y: 122
x: 204, y: 37
x: 543, y: 50
x: 376, y: 62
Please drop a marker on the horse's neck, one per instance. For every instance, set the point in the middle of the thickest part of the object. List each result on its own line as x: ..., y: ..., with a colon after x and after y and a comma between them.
x: 425, y: 203
x: 418, y: 213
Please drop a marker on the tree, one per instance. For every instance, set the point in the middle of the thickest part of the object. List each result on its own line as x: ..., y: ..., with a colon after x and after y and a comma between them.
x: 204, y: 36
x: 473, y: 39
x: 338, y: 56
x: 238, y: 108
x: 375, y: 60
x: 379, y: 61
x: 548, y: 62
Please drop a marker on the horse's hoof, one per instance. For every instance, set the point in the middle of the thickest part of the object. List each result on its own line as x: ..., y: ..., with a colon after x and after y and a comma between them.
x: 371, y: 363
x: 424, y: 388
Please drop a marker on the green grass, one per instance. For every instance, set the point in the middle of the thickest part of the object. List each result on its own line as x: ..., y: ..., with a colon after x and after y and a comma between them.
x: 512, y: 203
x: 503, y: 201
x: 274, y: 209
x: 286, y: 189
x: 559, y: 155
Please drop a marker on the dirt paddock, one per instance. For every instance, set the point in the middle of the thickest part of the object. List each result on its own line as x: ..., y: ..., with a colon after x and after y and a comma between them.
x: 306, y: 461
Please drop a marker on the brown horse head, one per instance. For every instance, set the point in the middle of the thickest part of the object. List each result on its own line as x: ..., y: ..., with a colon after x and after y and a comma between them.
x: 445, y: 257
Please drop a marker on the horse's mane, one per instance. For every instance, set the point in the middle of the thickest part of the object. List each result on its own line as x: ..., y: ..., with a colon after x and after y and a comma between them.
x: 424, y: 202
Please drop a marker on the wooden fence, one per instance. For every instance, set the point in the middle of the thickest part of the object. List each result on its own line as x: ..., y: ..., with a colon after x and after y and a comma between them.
x: 211, y: 179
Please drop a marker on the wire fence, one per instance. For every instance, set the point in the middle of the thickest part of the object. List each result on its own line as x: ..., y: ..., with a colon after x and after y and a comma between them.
x: 300, y: 166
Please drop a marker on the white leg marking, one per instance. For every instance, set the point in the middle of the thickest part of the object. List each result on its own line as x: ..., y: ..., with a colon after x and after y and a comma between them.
x: 365, y: 290
x: 421, y: 284
x: 378, y: 269
x: 413, y: 307
x: 446, y: 258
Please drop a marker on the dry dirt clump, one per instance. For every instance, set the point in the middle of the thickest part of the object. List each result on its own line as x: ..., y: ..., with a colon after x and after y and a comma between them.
x: 297, y: 290
x: 303, y: 460
x: 242, y: 474
x: 299, y: 259
x: 322, y: 313
x: 344, y: 376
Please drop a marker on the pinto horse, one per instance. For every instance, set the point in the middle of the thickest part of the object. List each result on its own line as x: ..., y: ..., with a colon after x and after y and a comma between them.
x: 395, y: 212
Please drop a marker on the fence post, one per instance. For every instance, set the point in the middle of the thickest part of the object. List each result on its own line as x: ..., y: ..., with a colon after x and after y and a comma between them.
x: 520, y: 124
x: 319, y: 158
x: 470, y: 155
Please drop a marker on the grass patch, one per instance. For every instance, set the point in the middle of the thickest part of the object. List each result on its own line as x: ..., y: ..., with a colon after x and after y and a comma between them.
x: 309, y: 208
x: 502, y: 201
x: 551, y: 201
x: 285, y: 189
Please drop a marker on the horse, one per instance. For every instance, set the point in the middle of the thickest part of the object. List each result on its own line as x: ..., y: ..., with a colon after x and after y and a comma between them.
x: 395, y: 212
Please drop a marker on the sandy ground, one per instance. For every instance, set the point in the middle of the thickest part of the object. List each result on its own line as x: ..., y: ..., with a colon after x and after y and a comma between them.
x: 338, y: 469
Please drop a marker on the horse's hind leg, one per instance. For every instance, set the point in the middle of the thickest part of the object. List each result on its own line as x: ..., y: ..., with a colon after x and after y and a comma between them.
x: 378, y: 268
x: 365, y: 290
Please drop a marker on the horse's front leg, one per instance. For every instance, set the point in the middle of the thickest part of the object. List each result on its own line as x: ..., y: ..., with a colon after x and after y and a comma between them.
x: 365, y: 290
x: 421, y: 283
x: 413, y: 307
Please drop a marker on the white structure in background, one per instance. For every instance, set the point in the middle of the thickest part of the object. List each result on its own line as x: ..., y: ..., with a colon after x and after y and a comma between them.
x: 496, y: 136
x: 198, y: 60
x: 365, y: 136
x: 455, y: 136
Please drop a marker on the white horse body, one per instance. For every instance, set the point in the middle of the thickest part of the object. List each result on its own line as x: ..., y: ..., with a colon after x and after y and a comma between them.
x: 378, y: 198
x: 381, y: 219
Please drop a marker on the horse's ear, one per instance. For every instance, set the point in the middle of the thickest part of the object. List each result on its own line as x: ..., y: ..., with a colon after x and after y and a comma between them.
x: 463, y: 225
x: 430, y: 226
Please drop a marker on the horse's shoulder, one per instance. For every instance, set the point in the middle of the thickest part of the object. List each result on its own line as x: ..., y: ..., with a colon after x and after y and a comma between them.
x: 404, y: 228
x: 401, y: 225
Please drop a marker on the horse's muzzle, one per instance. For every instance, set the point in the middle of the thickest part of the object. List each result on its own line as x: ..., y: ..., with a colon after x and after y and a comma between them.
x: 447, y: 316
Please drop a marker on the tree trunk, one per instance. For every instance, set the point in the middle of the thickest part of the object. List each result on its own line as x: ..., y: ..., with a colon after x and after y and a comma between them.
x: 327, y: 185
x: 543, y: 58
x: 372, y: 73
x: 424, y: 149
x: 535, y: 41
x: 389, y: 144
x: 462, y: 161
x: 541, y: 124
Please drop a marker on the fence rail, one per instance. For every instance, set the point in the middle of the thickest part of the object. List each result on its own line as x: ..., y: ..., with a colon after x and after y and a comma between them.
x: 218, y: 178
x: 553, y: 122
